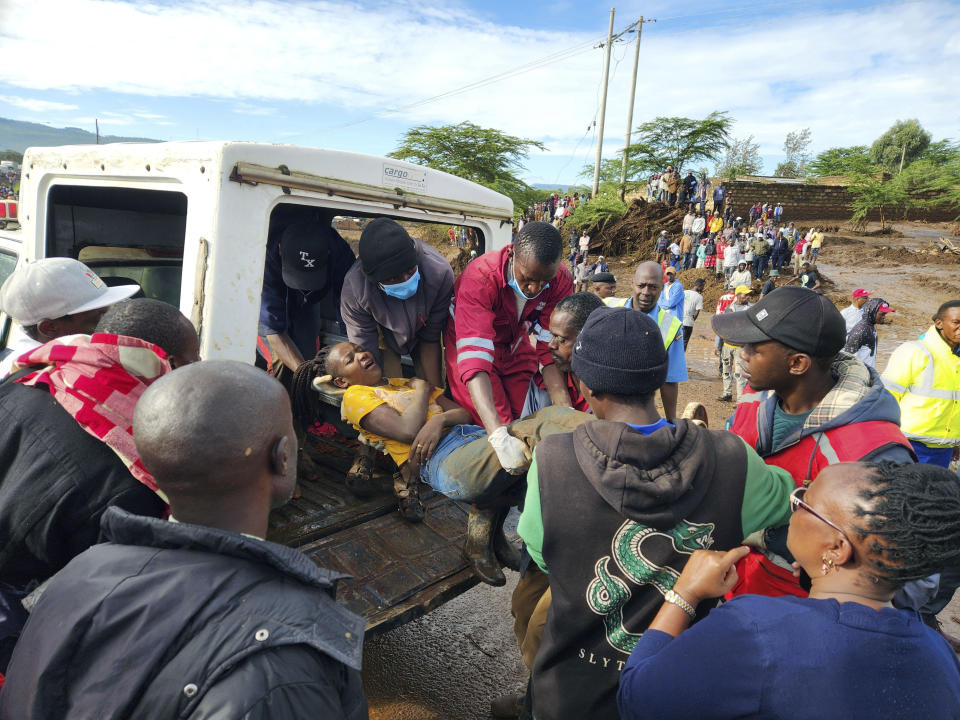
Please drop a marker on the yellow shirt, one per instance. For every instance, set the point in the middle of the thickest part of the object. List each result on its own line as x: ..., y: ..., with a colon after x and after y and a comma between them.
x: 817, y: 240
x: 359, y: 400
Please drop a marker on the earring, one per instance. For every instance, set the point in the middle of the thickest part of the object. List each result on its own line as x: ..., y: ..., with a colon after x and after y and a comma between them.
x: 823, y: 566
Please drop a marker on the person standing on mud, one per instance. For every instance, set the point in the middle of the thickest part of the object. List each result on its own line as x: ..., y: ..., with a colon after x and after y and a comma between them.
x: 862, y: 339
x: 730, y: 368
x: 605, y: 489
x: 806, y: 406
x: 692, y: 305
x: 853, y: 312
x: 699, y: 225
x: 647, y: 287
x: 816, y: 242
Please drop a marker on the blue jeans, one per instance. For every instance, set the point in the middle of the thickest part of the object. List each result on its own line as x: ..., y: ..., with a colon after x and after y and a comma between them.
x: 442, y: 476
x: 465, y: 467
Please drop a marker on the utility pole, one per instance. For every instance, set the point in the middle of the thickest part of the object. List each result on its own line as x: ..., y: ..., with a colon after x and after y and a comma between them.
x: 603, y: 107
x: 633, y: 92
x: 96, y: 124
x: 903, y: 156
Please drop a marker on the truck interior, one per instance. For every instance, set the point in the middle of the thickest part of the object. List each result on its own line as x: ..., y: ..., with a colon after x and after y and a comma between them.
x: 399, y: 570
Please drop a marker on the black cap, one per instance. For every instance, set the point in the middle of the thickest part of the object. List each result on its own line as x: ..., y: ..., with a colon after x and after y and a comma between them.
x: 304, y: 251
x: 604, y: 277
x: 620, y: 351
x: 797, y: 317
x: 386, y: 250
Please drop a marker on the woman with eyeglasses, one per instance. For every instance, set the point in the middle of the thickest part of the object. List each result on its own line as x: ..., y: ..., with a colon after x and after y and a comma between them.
x: 858, y: 534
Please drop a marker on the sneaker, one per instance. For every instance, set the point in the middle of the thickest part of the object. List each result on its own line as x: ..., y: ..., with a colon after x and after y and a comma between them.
x: 725, y: 398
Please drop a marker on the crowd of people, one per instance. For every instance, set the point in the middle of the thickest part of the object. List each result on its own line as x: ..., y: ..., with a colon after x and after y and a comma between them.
x: 668, y: 568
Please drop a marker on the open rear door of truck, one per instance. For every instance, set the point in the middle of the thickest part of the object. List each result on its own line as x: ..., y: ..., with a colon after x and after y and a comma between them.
x: 400, y: 570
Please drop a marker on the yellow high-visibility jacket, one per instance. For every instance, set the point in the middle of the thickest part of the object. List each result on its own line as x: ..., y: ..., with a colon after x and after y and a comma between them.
x: 924, y: 376
x: 670, y: 325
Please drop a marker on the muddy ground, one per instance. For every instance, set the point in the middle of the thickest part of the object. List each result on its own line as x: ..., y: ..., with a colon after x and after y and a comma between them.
x: 451, y: 662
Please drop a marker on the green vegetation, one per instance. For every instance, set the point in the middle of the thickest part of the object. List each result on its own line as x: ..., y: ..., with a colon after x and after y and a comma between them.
x: 663, y: 141
x: 595, y: 215
x: 840, y: 161
x: 742, y: 158
x: 11, y: 155
x: 796, y: 147
x: 482, y: 155
x: 902, y: 169
x: 903, y: 143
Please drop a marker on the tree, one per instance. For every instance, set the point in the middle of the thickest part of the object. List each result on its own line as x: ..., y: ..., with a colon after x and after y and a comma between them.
x: 677, y: 141
x: 742, y: 158
x: 876, y: 191
x: 795, y: 147
x: 900, y: 145
x: 12, y: 155
x: 840, y: 161
x: 482, y: 155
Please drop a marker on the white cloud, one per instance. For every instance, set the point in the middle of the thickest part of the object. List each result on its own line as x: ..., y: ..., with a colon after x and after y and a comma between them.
x: 846, y: 75
x: 40, y: 106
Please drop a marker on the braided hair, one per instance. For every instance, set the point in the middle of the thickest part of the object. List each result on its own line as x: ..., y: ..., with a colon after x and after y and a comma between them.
x: 912, y: 512
x: 305, y: 401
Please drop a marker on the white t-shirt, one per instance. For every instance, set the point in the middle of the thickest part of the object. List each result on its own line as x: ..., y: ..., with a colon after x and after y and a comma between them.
x: 692, y: 302
x: 851, y: 316
x: 584, y: 242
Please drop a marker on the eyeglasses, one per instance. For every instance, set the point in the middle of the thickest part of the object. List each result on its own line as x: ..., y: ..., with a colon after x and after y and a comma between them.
x: 796, y: 502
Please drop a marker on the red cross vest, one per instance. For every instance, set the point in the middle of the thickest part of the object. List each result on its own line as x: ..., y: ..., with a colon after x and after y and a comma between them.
x: 804, y: 459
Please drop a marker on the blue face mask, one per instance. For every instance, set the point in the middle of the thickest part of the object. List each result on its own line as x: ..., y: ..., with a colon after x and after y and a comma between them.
x: 405, y: 289
x: 512, y: 282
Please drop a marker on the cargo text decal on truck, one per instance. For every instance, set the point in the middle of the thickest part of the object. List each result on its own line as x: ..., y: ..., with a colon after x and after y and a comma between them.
x: 189, y: 222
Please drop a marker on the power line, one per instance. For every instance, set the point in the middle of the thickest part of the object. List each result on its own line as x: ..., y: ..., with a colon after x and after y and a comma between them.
x: 505, y: 75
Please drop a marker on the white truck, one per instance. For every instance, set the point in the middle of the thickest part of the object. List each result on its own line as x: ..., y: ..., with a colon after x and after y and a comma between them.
x: 189, y: 223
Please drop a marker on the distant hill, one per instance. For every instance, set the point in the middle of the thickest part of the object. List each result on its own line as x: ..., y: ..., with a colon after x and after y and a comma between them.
x: 563, y: 188
x: 18, y: 135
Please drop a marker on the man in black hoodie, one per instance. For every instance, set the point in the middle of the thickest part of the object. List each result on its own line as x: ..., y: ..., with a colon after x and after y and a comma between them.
x: 615, y: 508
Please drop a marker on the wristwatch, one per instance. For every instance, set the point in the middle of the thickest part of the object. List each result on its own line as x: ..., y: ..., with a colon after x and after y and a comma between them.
x: 674, y: 598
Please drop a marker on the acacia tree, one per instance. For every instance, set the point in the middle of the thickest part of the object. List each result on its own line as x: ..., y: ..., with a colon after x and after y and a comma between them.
x: 742, y: 158
x: 840, y: 161
x: 876, y: 191
x: 483, y: 155
x: 677, y: 141
x: 795, y: 147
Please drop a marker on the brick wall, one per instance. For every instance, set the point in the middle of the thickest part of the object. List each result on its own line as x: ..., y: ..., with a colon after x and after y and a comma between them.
x: 821, y: 202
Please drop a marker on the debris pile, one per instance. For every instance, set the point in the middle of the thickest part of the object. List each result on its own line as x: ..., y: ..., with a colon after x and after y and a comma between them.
x: 635, y: 232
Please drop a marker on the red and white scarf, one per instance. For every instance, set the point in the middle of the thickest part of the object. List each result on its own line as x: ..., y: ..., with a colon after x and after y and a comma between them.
x: 98, y: 379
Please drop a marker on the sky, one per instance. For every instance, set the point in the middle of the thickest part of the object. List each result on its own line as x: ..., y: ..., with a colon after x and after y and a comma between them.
x: 355, y: 75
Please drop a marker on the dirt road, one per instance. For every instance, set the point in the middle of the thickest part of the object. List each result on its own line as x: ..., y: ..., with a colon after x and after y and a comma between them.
x: 450, y: 663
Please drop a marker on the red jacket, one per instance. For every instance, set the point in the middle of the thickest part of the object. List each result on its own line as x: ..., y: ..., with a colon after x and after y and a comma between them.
x: 484, y: 334
x: 869, y: 433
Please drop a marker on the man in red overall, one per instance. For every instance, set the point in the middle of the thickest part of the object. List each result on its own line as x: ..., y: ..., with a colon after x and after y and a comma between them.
x: 807, y: 405
x: 499, y: 300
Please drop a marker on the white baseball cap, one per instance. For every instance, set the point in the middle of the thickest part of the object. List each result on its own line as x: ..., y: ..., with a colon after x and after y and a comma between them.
x: 53, y: 287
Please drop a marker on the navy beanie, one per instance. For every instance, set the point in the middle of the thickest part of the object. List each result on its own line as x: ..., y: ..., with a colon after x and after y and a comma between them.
x: 620, y: 351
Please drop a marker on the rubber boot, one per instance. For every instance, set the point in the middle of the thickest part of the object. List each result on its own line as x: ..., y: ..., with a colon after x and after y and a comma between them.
x: 508, y: 554
x: 478, y: 548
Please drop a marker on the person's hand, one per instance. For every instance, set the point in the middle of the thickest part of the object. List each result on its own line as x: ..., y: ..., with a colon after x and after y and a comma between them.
x: 512, y: 453
x: 709, y: 574
x: 716, y: 351
x: 420, y: 385
x: 423, y: 445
